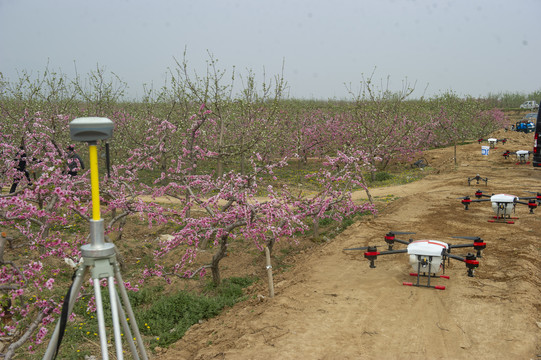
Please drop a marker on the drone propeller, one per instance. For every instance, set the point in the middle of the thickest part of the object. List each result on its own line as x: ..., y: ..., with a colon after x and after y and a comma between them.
x: 466, y: 200
x: 536, y: 197
x: 466, y: 237
x: 470, y: 260
x: 390, y: 238
x: 479, y: 194
x: 359, y: 248
x: 372, y: 254
x: 400, y: 232
x: 532, y: 203
x: 478, y: 244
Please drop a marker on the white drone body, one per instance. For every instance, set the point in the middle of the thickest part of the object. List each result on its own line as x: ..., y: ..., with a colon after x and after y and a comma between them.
x: 425, y: 252
x: 492, y: 142
x: 523, y: 155
x: 503, y: 204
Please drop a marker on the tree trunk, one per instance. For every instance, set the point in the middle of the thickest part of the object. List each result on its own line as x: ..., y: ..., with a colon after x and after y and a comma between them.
x: 242, y: 164
x: 219, y: 167
x: 456, y: 163
x: 219, y: 255
x: 315, y: 227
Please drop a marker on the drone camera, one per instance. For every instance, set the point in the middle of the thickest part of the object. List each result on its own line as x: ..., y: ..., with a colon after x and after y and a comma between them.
x: 91, y: 129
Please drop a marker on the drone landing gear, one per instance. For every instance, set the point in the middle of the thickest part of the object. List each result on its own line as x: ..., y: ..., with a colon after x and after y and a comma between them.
x: 503, y: 220
x: 429, y: 274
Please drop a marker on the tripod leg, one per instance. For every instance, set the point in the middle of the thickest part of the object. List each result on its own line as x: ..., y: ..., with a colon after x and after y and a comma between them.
x: 101, y: 320
x: 75, y: 289
x: 126, y: 327
x: 114, y: 313
x: 131, y: 315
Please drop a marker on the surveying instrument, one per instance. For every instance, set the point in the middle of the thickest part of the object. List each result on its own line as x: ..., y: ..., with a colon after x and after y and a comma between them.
x: 99, y: 257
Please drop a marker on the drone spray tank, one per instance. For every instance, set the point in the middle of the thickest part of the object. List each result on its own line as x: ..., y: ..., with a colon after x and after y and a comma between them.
x: 503, y: 204
x: 426, y: 255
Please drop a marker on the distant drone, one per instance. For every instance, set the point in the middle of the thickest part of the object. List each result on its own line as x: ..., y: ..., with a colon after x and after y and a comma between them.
x: 427, y: 257
x: 493, y: 141
x: 522, y: 156
x: 503, y: 204
x: 477, y: 177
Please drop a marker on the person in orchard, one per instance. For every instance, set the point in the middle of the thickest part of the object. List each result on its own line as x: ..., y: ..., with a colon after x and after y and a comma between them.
x: 75, y: 163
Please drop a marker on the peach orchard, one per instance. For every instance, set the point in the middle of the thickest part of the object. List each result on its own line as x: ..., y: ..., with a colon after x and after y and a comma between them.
x: 216, y: 157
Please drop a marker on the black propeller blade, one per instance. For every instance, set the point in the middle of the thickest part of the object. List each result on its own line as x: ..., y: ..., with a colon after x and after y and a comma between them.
x: 466, y: 237
x: 360, y: 248
x: 400, y: 232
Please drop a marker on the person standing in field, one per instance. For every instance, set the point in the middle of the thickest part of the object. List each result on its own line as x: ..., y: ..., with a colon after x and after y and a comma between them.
x: 75, y: 163
x: 21, y: 170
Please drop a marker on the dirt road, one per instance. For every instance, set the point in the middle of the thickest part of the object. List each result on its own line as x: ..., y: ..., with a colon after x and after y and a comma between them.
x: 331, y: 305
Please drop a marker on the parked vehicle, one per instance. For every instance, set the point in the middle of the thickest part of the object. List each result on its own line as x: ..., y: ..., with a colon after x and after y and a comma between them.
x: 530, y: 105
x: 527, y: 124
x: 537, y: 142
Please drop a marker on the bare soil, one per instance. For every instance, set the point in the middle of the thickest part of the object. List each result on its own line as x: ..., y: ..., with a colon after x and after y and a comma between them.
x: 330, y: 305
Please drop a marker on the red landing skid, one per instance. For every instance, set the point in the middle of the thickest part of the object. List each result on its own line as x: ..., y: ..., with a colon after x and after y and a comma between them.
x: 437, y: 287
x: 503, y: 220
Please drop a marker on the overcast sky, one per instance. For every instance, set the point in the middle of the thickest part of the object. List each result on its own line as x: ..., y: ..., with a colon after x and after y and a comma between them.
x: 467, y: 46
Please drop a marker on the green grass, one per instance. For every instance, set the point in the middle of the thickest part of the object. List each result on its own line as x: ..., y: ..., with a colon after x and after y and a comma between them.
x: 162, y: 319
x: 399, y: 177
x: 168, y: 318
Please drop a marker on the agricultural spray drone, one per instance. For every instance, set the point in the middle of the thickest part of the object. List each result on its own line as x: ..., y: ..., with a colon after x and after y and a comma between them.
x: 427, y: 257
x: 493, y: 141
x: 503, y: 205
x: 522, y: 156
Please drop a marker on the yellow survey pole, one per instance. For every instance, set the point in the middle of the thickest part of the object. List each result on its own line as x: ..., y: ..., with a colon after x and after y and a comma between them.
x: 94, y: 181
